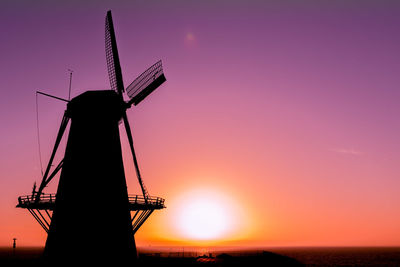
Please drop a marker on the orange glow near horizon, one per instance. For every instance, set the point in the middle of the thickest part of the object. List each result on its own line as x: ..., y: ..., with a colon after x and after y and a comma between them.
x: 199, y: 213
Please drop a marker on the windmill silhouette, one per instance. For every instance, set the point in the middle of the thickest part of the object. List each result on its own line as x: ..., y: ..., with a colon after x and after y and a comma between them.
x: 92, y: 217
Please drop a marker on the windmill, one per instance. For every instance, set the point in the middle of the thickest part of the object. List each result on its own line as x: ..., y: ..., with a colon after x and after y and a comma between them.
x: 92, y: 216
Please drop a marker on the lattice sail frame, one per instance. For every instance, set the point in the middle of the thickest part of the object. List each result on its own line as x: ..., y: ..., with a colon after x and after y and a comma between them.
x: 145, y: 79
x: 110, y: 58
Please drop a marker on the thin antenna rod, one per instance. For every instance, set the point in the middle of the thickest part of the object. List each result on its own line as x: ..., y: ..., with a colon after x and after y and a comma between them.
x: 70, y: 82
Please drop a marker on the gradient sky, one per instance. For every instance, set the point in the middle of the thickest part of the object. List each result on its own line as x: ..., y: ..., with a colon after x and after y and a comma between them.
x: 285, y: 111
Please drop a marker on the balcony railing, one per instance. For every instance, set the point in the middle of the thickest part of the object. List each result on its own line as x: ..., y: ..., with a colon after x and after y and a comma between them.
x: 47, y: 201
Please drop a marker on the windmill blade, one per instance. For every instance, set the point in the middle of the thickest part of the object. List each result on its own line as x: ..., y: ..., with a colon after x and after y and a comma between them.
x: 130, y: 139
x: 146, y: 83
x: 113, y: 65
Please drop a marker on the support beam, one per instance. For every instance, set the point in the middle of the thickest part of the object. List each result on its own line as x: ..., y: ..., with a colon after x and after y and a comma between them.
x: 44, y: 219
x: 55, y: 171
x: 38, y: 220
x: 52, y: 96
x: 48, y: 214
x: 136, y: 213
x: 139, y: 218
x: 64, y: 123
x: 148, y: 213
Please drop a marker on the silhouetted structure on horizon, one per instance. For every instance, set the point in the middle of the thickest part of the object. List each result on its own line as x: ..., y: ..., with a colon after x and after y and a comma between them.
x: 92, y: 217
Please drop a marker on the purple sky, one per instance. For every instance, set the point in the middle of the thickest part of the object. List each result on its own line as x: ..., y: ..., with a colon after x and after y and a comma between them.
x: 300, y: 97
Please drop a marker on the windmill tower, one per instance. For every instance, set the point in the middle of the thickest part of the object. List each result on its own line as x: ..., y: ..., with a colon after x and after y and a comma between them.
x: 92, y: 217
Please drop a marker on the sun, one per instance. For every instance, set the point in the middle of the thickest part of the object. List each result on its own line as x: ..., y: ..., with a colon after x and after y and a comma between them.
x: 204, y: 215
x: 204, y: 219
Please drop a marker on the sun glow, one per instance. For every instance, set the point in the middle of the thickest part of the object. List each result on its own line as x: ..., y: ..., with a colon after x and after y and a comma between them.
x: 203, y: 219
x: 205, y: 215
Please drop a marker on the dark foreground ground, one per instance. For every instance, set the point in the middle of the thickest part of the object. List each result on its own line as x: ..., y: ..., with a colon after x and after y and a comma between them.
x: 389, y: 256
x: 32, y: 257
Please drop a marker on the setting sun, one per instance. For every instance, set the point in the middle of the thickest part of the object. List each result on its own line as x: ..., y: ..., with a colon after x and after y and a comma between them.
x: 205, y: 215
x: 203, y: 218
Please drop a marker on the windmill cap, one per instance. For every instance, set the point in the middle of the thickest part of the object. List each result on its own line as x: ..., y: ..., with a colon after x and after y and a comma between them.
x: 96, y: 105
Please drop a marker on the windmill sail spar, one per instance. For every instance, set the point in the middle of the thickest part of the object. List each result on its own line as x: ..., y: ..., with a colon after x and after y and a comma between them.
x: 130, y: 139
x: 115, y: 75
x: 113, y: 65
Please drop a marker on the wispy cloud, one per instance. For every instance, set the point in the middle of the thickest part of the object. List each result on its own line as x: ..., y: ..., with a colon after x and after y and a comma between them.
x: 347, y: 151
